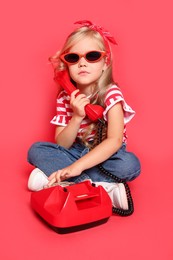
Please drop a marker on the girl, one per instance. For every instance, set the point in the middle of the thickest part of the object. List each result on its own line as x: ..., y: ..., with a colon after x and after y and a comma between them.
x: 76, y: 153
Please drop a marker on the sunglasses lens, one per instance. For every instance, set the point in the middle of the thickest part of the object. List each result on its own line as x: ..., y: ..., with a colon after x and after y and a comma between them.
x: 71, y: 57
x: 93, y: 55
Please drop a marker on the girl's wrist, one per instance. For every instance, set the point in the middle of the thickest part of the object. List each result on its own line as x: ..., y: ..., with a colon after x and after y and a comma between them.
x: 79, y: 166
x: 77, y: 119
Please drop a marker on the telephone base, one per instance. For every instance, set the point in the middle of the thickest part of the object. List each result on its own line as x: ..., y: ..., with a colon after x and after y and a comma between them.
x: 72, y: 208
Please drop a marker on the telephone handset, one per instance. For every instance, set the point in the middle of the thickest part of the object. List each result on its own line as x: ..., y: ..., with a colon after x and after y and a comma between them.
x: 94, y: 112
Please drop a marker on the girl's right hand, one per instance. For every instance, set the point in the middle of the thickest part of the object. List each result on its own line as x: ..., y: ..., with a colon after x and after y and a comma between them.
x: 78, y: 103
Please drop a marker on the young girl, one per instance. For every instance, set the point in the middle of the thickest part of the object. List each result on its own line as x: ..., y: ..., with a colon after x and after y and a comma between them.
x: 76, y: 153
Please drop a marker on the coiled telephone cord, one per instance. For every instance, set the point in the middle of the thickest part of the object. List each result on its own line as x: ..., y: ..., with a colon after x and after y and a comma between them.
x: 119, y: 211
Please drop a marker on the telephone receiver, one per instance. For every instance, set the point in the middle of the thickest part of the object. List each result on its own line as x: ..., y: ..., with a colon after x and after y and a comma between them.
x: 94, y: 112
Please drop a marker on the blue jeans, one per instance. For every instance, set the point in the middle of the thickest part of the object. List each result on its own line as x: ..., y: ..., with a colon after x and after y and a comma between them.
x: 50, y: 157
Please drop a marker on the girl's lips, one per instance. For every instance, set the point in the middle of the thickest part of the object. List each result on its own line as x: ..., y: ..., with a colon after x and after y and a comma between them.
x: 83, y: 72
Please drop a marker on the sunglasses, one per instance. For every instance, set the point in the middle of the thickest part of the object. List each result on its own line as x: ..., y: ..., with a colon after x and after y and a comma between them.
x: 91, y: 56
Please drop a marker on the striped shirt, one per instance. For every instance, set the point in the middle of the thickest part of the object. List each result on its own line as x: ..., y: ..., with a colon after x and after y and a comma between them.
x: 112, y: 97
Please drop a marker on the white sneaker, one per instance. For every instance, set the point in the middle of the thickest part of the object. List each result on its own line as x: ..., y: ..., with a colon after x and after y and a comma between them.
x: 37, y: 180
x: 116, y: 192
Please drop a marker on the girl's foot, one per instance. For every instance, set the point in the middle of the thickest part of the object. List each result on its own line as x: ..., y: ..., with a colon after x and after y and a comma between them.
x: 37, y: 180
x: 116, y: 192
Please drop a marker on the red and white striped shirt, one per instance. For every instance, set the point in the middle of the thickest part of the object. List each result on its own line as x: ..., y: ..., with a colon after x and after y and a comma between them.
x: 113, y: 96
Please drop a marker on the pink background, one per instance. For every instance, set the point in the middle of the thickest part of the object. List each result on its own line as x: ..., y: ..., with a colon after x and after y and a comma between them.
x: 33, y: 30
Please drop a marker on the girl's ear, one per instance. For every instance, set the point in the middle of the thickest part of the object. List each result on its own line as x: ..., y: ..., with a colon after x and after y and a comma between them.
x: 105, y: 66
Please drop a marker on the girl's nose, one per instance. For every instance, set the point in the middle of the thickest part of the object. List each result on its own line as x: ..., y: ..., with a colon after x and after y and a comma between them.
x: 82, y: 62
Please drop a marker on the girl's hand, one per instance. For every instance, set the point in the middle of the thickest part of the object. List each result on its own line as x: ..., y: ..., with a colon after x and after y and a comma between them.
x: 78, y: 103
x: 63, y: 174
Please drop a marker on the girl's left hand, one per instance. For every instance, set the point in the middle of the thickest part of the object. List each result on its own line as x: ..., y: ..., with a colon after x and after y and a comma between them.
x: 63, y: 174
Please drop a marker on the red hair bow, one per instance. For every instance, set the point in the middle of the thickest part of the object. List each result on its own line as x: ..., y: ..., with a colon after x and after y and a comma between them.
x: 105, y: 34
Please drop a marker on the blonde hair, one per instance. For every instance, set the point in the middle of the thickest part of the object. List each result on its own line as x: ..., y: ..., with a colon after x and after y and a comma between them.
x: 104, y: 81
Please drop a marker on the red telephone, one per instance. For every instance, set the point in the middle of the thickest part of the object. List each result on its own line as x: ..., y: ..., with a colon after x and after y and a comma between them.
x: 74, y: 207
x: 94, y: 112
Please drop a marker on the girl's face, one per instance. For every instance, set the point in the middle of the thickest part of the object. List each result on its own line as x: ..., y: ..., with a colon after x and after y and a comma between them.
x: 84, y: 73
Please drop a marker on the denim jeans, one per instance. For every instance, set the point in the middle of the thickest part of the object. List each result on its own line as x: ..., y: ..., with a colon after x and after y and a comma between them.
x: 50, y: 157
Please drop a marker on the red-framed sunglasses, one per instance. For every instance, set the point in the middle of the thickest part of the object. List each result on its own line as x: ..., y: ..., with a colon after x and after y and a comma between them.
x: 90, y: 56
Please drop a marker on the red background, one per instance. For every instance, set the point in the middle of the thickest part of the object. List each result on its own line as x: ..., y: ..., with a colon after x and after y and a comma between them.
x: 33, y: 30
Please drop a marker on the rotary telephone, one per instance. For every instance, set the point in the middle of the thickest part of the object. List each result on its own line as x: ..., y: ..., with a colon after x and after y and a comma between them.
x: 94, y: 112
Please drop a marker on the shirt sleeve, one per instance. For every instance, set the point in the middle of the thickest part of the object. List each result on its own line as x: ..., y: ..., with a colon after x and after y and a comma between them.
x: 63, y: 110
x: 113, y: 96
